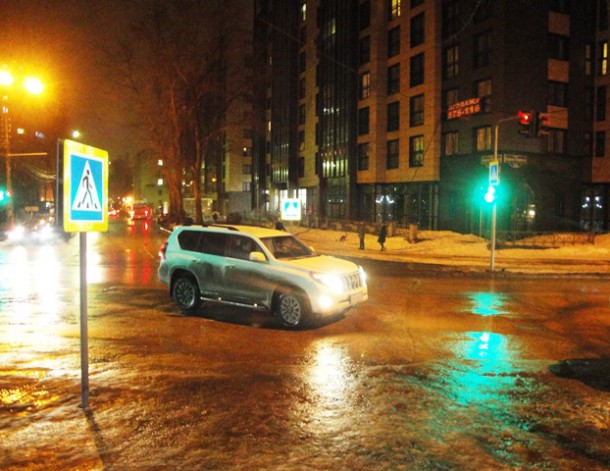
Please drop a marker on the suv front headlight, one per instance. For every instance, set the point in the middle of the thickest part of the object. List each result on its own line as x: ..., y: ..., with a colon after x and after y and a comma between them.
x: 332, y: 282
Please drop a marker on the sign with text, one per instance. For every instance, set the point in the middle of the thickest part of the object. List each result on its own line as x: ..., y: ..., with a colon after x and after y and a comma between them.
x: 464, y: 108
x: 85, y: 188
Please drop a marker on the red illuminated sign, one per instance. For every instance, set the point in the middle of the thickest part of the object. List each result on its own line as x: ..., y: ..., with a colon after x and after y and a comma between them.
x: 464, y: 108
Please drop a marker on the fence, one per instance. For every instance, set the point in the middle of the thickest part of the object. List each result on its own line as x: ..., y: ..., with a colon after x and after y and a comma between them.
x: 529, y: 239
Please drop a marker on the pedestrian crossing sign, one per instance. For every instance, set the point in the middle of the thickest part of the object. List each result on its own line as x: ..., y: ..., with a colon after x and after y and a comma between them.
x: 494, y: 173
x: 291, y: 209
x: 85, y: 188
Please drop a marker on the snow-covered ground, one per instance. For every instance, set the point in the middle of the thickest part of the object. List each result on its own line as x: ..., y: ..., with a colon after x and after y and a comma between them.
x: 465, y: 251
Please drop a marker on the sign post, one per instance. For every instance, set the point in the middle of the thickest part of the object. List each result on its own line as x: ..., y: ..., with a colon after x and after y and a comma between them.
x: 83, y: 183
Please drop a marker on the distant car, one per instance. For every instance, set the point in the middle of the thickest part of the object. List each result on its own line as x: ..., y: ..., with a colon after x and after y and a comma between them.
x: 40, y: 230
x: 259, y: 268
x: 141, y: 211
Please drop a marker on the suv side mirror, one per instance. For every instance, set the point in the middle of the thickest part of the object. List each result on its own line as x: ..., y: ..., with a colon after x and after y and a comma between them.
x: 257, y: 257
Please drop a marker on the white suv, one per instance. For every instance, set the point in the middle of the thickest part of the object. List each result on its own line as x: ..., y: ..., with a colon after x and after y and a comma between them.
x: 259, y: 268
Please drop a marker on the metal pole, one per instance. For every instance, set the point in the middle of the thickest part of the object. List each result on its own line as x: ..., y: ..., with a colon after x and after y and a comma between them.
x: 6, y: 129
x: 492, y: 256
x: 492, y: 253
x: 84, y: 335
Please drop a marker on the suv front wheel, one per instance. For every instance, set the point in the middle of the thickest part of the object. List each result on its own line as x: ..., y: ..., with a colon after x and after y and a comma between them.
x: 292, y: 307
x: 186, y: 293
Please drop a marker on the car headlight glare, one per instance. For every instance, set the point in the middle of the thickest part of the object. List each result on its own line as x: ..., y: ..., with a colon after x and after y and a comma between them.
x: 332, y: 282
x: 17, y: 233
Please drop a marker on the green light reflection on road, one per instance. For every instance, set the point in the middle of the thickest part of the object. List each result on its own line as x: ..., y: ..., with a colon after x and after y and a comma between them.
x: 487, y: 303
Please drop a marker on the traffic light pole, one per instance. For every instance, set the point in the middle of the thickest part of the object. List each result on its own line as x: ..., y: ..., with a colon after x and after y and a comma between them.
x: 494, y: 211
x: 6, y: 129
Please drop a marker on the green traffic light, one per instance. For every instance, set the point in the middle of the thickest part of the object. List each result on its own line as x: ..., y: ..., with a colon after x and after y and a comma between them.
x: 2, y: 195
x: 490, y: 196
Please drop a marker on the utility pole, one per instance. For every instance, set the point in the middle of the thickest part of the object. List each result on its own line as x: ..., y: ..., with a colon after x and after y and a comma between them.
x: 6, y: 147
x: 492, y: 253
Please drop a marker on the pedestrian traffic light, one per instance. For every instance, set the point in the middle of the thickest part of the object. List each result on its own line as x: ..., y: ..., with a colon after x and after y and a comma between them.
x: 490, y: 196
x: 526, y: 123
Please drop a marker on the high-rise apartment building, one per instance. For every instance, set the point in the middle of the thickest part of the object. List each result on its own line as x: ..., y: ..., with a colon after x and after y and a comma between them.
x: 595, y: 200
x: 388, y: 110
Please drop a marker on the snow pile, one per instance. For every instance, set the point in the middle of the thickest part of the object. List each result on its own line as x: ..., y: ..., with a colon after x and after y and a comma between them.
x: 450, y: 248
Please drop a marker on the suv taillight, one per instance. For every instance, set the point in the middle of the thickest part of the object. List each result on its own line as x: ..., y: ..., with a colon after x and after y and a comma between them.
x: 162, y: 251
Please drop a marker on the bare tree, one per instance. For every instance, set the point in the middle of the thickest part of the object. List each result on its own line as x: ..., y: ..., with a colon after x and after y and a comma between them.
x: 173, y: 62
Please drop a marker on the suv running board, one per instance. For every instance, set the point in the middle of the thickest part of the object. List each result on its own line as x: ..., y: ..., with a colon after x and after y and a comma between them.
x: 259, y: 307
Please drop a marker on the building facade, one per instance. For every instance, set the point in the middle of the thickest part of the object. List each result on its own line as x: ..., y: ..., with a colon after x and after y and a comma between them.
x: 388, y: 110
x: 595, y: 200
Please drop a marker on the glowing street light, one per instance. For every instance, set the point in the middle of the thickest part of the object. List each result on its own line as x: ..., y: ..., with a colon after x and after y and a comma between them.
x: 6, y: 79
x: 33, y: 85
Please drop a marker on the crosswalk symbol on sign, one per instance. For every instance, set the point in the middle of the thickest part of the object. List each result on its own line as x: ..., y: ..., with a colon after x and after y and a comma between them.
x: 494, y: 177
x: 87, y: 198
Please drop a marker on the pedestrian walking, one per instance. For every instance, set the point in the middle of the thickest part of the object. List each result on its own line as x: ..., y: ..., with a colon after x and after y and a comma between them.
x: 279, y: 225
x: 382, y: 235
x: 361, y: 234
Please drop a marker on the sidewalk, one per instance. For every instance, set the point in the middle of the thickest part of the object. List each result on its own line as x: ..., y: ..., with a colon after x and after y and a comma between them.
x: 449, y: 250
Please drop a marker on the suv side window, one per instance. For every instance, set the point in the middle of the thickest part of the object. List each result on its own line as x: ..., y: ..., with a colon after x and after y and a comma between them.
x: 189, y: 240
x: 240, y: 247
x: 213, y: 243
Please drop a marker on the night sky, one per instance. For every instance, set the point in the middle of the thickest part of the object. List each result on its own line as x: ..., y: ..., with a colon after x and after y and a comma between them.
x: 62, y: 42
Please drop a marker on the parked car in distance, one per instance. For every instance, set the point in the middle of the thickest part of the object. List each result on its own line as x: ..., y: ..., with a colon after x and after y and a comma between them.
x: 141, y: 211
x: 259, y: 268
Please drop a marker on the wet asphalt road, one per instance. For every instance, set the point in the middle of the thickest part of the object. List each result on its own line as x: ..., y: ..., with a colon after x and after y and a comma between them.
x: 436, y: 371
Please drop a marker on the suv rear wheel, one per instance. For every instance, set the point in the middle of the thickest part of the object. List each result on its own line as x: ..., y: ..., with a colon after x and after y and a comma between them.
x: 292, y: 307
x: 186, y: 293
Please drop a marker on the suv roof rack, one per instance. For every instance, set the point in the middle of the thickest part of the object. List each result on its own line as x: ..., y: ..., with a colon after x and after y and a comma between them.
x: 224, y: 226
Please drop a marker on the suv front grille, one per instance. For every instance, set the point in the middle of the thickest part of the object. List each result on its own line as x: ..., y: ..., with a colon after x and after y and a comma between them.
x: 353, y: 281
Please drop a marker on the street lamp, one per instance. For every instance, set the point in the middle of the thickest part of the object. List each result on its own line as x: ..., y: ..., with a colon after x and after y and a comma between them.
x: 33, y: 86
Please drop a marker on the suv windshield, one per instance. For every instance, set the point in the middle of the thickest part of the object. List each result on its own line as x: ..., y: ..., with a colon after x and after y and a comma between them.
x: 286, y: 247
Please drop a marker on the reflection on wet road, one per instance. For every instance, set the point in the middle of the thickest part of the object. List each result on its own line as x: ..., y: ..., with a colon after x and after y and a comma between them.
x: 447, y: 372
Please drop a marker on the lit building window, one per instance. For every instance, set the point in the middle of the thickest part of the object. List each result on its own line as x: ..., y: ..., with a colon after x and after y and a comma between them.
x: 160, y: 162
x: 450, y: 143
x: 394, y: 6
x: 160, y: 182
x: 416, y: 151
x: 365, y: 85
x: 603, y: 58
x: 416, y: 110
x: 483, y: 138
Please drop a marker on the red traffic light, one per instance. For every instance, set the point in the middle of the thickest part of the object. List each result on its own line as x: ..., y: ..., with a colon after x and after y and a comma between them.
x: 525, y: 118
